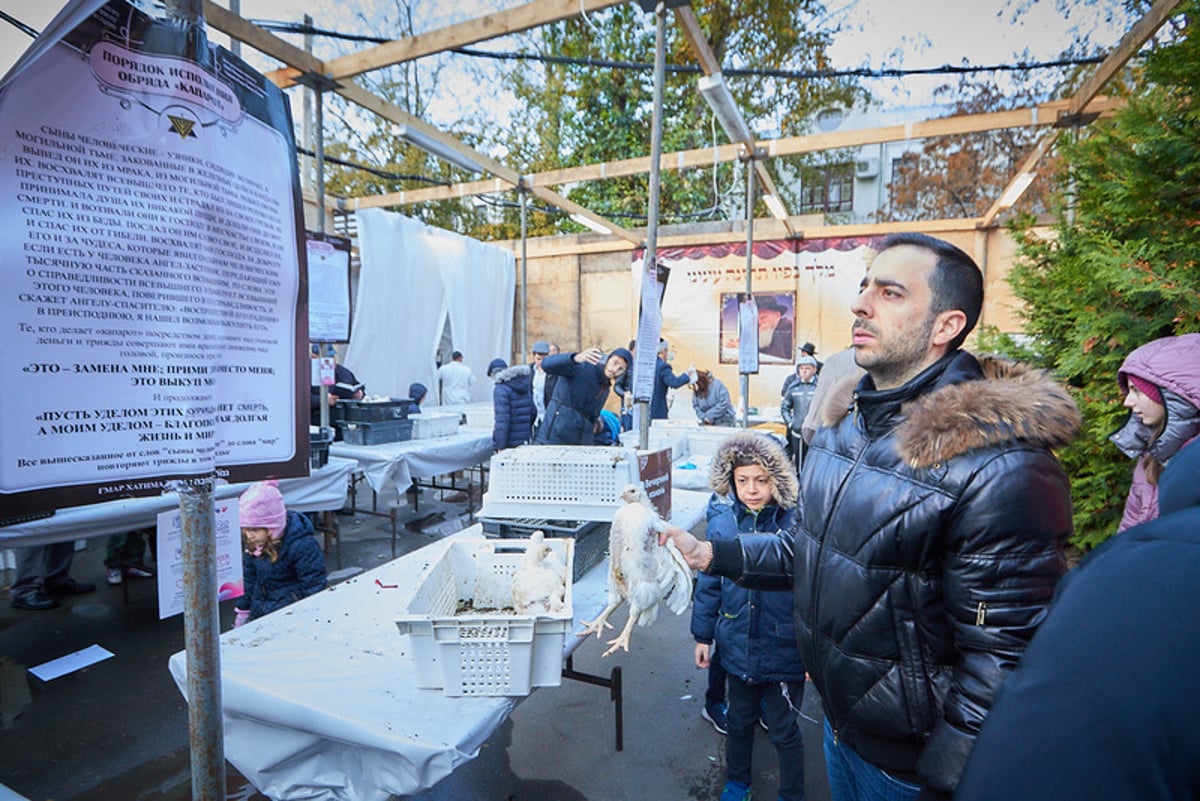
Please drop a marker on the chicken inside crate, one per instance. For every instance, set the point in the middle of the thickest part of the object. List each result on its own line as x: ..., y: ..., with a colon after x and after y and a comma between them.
x: 590, y: 536
x: 466, y: 634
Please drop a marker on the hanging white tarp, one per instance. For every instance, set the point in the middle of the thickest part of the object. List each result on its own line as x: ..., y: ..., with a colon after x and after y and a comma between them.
x: 414, y: 278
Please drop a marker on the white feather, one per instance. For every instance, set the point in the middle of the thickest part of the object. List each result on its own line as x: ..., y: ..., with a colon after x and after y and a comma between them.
x: 540, y: 585
x: 641, y: 572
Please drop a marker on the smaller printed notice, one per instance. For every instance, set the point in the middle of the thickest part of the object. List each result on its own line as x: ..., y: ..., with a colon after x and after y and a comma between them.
x: 645, y: 360
x: 747, y: 335
x: 170, y: 558
x: 328, y: 288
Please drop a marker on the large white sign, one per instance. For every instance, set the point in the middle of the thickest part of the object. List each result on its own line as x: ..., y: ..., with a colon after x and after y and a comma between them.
x: 152, y: 288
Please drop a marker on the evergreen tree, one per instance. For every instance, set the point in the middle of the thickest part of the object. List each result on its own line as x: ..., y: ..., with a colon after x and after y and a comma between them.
x: 1121, y: 266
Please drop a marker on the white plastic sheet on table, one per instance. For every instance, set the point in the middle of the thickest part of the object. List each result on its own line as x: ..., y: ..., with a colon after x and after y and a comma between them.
x: 398, y: 463
x: 320, y: 698
x: 323, y: 490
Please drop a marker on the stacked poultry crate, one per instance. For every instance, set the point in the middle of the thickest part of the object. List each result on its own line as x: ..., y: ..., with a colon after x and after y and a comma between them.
x: 566, y: 491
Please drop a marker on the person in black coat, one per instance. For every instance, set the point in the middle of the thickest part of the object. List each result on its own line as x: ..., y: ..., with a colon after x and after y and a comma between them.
x: 346, y: 385
x: 512, y: 402
x: 934, y: 515
x: 579, y: 395
x: 1104, y: 702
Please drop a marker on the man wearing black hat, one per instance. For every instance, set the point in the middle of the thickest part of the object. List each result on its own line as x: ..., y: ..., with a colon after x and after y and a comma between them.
x: 775, y: 334
x: 809, y: 349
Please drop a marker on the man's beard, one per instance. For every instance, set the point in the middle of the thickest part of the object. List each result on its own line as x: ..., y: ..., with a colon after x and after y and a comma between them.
x: 896, y: 357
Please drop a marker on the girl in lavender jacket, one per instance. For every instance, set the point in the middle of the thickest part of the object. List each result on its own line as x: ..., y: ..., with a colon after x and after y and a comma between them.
x: 1161, y: 383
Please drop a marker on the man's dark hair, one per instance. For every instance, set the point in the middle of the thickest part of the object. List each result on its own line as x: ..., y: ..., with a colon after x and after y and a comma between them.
x: 456, y: 355
x: 956, y: 282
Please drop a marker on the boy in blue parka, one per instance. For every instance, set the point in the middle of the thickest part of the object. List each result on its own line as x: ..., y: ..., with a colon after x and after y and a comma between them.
x: 752, y: 629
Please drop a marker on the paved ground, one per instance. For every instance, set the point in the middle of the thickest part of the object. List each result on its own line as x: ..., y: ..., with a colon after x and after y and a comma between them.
x: 118, y: 730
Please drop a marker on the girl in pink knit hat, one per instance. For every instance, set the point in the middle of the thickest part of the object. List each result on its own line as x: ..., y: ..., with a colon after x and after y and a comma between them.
x: 282, y: 562
x: 1161, y: 382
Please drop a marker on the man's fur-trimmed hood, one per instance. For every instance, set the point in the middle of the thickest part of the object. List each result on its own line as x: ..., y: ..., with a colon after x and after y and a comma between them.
x: 1013, y: 402
x: 759, y: 449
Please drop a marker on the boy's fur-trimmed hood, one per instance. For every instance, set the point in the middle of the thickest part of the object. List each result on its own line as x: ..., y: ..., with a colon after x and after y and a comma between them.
x: 1013, y: 401
x: 757, y: 449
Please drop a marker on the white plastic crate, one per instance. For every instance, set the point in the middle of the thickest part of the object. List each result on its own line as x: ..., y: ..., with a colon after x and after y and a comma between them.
x: 435, y: 424
x: 559, y: 482
x: 466, y: 637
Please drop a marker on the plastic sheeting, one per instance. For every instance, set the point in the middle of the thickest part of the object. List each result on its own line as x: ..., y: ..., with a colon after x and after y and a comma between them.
x: 324, y: 490
x: 414, y: 279
x: 398, y: 463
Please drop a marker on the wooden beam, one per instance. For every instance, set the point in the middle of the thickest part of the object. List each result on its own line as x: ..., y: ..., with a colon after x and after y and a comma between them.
x: 389, y: 111
x: 709, y: 64
x: 1044, y: 114
x: 264, y: 41
x: 766, y: 229
x: 697, y: 40
x: 480, y: 29
x: 1124, y: 50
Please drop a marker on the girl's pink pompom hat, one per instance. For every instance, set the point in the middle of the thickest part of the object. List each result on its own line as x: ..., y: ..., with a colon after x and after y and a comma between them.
x: 261, y: 506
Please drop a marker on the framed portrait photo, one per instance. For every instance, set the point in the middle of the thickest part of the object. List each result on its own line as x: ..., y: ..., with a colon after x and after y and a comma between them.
x: 776, y: 327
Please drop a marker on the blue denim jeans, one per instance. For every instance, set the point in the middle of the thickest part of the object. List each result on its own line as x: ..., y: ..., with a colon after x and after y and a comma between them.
x: 852, y: 778
x: 778, y: 703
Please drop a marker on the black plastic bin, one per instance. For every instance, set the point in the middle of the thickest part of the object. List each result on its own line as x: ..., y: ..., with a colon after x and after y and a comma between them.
x: 377, y: 433
x: 355, y: 411
x: 318, y: 446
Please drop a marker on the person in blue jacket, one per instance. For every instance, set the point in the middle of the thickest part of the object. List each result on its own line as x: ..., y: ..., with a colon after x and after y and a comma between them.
x: 752, y: 629
x: 585, y: 379
x: 512, y: 402
x: 416, y: 393
x: 664, y: 379
x: 282, y: 562
x: 1104, y: 702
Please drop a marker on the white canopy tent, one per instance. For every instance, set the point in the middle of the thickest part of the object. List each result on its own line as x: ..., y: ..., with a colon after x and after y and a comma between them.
x: 414, y: 280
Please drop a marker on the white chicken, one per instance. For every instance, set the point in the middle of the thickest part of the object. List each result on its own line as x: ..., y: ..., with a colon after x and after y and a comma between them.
x: 539, y: 587
x: 640, y: 571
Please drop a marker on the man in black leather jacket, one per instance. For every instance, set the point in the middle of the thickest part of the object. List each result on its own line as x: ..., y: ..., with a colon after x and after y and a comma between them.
x: 930, y: 530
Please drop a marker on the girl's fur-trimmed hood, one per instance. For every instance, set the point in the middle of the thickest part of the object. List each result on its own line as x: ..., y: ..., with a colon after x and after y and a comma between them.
x: 756, y: 449
x: 1013, y: 402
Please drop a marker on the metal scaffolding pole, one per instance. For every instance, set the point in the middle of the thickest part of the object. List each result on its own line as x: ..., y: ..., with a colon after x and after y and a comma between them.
x: 183, y: 22
x: 748, y: 157
x: 660, y: 61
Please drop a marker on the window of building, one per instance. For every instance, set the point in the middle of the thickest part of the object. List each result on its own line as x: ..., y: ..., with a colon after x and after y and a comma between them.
x: 827, y: 189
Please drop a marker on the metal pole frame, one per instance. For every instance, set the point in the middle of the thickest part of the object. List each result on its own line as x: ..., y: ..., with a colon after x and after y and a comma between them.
x: 660, y: 61
x: 748, y: 157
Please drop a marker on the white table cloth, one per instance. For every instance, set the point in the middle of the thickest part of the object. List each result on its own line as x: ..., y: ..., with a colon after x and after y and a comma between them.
x: 398, y: 463
x: 320, y: 700
x: 325, y: 489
